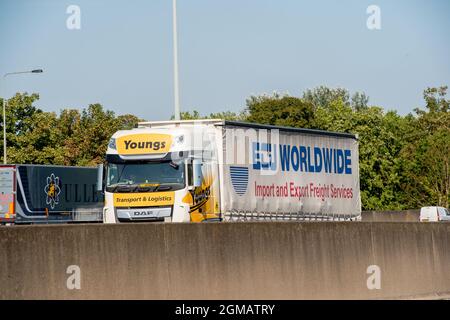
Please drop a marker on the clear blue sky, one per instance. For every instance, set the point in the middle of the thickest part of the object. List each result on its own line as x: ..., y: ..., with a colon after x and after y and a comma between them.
x: 229, y: 50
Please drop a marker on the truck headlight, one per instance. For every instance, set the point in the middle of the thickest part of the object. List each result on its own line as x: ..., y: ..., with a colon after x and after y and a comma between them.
x: 179, y: 139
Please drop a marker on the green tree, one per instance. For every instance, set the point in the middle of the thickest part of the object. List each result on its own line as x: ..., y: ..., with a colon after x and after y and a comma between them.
x: 72, y: 138
x: 380, y: 142
x: 19, y: 117
x: 280, y: 110
x: 195, y: 115
x: 425, y: 159
x: 87, y: 133
x: 323, y: 97
x: 404, y: 160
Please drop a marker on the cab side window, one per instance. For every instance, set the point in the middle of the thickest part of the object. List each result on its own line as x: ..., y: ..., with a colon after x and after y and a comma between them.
x: 442, y: 212
x: 190, y: 173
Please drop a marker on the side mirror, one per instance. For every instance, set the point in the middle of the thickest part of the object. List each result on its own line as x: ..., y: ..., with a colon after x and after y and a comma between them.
x: 100, y: 177
x: 197, y: 173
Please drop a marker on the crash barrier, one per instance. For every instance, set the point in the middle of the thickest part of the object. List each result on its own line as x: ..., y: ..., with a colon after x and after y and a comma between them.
x: 386, y: 216
x: 259, y: 260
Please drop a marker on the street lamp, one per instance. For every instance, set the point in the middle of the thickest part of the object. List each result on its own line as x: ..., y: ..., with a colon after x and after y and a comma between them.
x: 175, y: 61
x: 4, y: 108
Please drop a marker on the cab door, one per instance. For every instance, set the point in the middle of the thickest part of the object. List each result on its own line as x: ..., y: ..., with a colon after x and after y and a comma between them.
x: 204, y: 197
x: 213, y: 207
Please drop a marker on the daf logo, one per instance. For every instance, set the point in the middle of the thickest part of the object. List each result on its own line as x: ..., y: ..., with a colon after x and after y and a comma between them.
x: 139, y: 213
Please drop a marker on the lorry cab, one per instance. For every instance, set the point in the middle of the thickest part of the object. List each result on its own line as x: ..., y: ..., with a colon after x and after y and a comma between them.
x: 154, y: 173
x: 434, y: 214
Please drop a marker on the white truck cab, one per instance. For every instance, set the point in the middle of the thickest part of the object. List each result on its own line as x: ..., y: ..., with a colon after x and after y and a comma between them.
x: 154, y: 173
x: 434, y: 214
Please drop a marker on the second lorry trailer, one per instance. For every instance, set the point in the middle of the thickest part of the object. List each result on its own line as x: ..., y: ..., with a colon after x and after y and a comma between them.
x: 49, y: 194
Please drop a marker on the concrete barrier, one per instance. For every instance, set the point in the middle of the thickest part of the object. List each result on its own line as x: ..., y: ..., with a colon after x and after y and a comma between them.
x: 284, y: 260
x: 391, y: 216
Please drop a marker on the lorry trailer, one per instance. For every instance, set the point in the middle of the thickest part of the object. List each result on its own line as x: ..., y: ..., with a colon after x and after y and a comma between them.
x: 49, y: 194
x: 219, y: 170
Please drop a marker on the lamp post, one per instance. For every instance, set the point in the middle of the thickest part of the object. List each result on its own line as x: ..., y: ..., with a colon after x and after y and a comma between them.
x: 4, y: 108
x: 175, y: 61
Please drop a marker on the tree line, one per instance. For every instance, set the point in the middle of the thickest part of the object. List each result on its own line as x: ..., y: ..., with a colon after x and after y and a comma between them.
x: 404, y: 160
x: 72, y: 137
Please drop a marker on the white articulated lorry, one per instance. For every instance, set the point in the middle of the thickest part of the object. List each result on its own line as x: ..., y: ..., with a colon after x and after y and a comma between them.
x: 214, y: 170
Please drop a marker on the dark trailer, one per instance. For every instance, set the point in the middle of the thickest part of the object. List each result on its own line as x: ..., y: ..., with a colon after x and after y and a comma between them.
x: 49, y: 194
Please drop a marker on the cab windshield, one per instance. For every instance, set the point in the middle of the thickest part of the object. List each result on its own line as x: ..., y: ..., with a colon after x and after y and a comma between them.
x: 140, y: 177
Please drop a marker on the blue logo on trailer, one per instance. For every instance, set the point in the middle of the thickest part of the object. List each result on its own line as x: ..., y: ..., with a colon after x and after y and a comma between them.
x: 239, y: 179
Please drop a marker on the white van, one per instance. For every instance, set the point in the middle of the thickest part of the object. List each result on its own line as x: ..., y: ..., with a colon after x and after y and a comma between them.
x: 434, y: 214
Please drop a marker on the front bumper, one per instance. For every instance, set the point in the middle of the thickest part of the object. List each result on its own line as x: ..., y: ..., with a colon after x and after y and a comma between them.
x: 143, y: 214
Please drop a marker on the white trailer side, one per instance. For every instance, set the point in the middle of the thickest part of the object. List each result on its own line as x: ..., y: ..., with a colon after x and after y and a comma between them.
x: 272, y: 172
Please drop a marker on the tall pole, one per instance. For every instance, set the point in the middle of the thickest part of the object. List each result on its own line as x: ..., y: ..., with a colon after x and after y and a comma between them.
x: 4, y: 130
x: 175, y: 61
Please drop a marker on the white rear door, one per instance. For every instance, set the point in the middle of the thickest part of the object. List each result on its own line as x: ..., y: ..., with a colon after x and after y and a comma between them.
x: 7, y: 194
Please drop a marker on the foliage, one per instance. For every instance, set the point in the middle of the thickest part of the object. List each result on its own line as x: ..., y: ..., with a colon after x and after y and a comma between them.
x: 280, y: 110
x: 227, y: 115
x: 426, y: 158
x: 71, y: 138
x: 404, y: 160
x: 323, y: 96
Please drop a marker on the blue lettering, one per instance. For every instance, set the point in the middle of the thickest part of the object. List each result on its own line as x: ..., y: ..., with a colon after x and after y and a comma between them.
x: 348, y: 161
x: 256, y: 161
x: 327, y: 157
x: 340, y: 161
x: 317, y: 159
x: 303, y: 159
x: 295, y: 162
x: 272, y: 157
x: 285, y: 151
x: 334, y: 160
x: 310, y: 166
